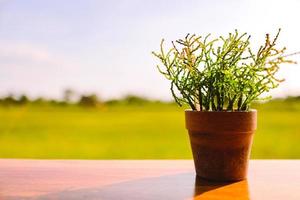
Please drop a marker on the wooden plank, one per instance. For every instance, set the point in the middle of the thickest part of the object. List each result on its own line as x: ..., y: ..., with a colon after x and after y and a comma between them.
x: 141, y: 179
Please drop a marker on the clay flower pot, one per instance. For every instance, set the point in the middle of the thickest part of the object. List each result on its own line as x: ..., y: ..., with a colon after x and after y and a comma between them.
x: 221, y: 142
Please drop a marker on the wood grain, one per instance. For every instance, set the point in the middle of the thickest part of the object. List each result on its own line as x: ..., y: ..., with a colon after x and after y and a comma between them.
x: 145, y: 179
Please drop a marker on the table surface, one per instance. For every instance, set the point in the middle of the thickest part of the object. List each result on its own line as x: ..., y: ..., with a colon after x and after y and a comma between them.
x: 141, y: 179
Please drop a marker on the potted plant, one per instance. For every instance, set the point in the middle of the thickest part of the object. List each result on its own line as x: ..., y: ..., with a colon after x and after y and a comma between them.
x: 218, y: 79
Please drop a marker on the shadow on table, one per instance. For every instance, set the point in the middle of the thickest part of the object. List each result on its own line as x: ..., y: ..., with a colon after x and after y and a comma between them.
x: 205, y: 189
x: 177, y: 186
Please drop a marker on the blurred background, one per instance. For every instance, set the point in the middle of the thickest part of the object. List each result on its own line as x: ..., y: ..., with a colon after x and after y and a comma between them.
x: 78, y: 81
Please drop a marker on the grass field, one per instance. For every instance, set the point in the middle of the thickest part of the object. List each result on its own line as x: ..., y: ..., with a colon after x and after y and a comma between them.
x: 130, y: 132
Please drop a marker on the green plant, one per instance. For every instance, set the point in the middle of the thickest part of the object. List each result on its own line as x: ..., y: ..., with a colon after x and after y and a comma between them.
x: 221, y: 74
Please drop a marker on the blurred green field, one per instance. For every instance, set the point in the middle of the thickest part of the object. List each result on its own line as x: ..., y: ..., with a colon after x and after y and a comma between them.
x: 153, y: 131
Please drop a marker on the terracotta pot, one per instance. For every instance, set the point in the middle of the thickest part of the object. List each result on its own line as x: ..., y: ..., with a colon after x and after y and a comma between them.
x: 221, y: 143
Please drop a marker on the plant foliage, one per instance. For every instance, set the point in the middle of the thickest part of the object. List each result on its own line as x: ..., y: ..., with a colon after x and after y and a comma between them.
x: 222, y: 74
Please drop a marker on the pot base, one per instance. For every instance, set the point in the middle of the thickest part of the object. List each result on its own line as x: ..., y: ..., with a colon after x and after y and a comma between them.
x: 227, y: 161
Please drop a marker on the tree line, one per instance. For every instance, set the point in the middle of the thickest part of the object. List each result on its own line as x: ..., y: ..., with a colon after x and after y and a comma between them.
x: 90, y: 100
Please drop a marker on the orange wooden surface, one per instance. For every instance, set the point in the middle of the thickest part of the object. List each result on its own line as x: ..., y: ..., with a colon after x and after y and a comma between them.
x: 145, y: 179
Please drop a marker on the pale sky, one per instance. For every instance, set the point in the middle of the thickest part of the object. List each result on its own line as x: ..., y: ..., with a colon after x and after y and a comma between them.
x: 105, y: 46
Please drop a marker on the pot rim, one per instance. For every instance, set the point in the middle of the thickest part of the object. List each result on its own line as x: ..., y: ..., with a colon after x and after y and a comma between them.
x: 223, y: 111
x: 221, y: 121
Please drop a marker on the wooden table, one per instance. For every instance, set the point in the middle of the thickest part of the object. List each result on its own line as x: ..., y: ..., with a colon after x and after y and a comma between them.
x: 143, y: 179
